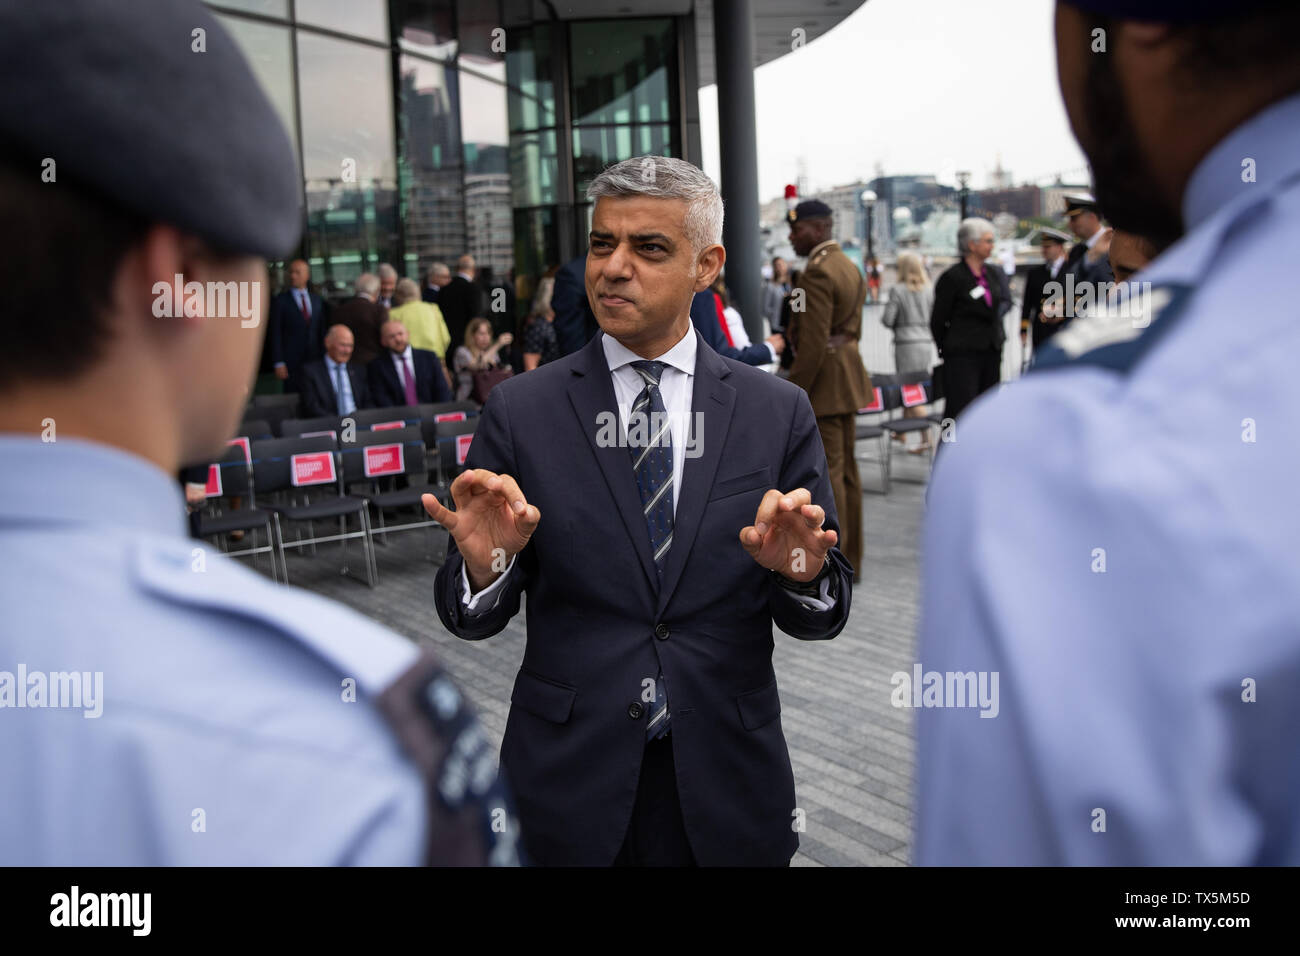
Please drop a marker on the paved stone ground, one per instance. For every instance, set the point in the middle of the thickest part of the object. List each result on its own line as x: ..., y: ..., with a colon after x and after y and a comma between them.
x: 852, y: 752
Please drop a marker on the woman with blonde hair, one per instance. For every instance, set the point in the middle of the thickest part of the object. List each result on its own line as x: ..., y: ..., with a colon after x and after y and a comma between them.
x: 479, y: 354
x: 907, y: 313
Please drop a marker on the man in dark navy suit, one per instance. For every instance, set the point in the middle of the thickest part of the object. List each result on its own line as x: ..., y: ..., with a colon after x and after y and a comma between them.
x: 405, y: 375
x: 333, y: 385
x: 297, y: 327
x: 704, y: 316
x: 662, y: 507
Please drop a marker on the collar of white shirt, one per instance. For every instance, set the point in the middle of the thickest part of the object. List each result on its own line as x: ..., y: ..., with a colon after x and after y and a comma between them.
x: 400, y: 358
x: 681, y: 356
x: 1095, y: 237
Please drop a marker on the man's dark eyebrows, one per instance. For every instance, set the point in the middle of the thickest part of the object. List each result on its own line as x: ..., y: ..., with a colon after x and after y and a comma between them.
x: 601, y: 234
x: 652, y: 237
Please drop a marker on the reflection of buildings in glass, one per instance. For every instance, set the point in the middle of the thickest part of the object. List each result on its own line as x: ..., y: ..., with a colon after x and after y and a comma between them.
x: 490, y: 220
x: 435, y: 224
x: 351, y: 228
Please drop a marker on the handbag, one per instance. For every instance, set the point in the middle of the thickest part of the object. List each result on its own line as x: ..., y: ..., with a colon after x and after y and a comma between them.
x: 486, y: 380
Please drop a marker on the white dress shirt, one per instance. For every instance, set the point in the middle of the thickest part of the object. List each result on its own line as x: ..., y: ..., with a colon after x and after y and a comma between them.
x: 403, y: 359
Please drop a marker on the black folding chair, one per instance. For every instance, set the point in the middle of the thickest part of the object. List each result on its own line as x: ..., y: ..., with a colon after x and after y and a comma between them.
x: 367, y: 417
x: 297, y: 427
x: 254, y: 429
x: 375, y: 458
x: 896, y: 397
x: 868, y: 425
x: 288, y: 402
x: 453, y: 440
x: 430, y: 412
x: 273, y: 472
x: 237, y: 482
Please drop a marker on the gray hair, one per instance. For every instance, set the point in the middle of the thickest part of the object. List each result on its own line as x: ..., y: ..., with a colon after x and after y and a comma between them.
x: 663, y: 177
x: 970, y: 230
x: 367, y: 284
x: 439, y: 269
x: 386, y: 271
x: 405, y: 291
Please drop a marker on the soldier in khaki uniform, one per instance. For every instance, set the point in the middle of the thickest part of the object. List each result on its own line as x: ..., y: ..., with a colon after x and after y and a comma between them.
x: 824, y: 336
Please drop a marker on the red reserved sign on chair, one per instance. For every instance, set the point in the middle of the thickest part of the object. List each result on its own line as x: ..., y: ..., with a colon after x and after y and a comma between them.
x: 462, y: 447
x: 383, y: 460
x: 384, y: 426
x: 449, y: 417
x: 213, y: 489
x: 312, y: 468
x: 243, y: 443
x: 877, y: 402
x: 913, y: 395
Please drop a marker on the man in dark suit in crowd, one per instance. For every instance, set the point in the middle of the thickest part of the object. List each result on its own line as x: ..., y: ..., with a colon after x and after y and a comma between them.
x: 645, y: 722
x: 460, y: 300
x: 439, y: 276
x: 575, y: 323
x: 404, y: 375
x: 387, y: 284
x: 1032, y: 325
x: 704, y: 316
x: 363, y: 315
x: 1088, y: 259
x: 334, y: 385
x: 297, y: 327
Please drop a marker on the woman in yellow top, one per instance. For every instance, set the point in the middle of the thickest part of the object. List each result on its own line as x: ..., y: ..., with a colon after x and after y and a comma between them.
x: 423, y: 320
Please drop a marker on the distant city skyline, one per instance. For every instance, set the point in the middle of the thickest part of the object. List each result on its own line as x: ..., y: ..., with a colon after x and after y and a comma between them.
x: 914, y: 87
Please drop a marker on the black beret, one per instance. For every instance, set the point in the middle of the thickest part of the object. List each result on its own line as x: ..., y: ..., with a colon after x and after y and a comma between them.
x: 810, y: 209
x: 117, y: 95
x: 1170, y: 11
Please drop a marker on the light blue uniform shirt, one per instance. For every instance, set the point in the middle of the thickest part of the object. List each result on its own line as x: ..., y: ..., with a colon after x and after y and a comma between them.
x: 221, y: 692
x: 338, y: 372
x: 1173, y: 458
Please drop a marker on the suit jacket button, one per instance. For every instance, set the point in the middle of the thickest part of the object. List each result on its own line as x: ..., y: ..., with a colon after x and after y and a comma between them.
x: 661, y: 632
x: 634, y: 711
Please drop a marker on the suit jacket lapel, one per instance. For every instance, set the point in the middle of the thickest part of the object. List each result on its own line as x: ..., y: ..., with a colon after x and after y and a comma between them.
x: 591, y: 394
x: 712, y: 404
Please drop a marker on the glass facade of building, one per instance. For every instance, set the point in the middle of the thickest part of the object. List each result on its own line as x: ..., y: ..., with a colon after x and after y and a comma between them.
x: 430, y: 128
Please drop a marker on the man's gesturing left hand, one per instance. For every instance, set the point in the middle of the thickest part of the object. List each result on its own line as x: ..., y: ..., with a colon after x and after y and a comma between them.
x: 787, y: 535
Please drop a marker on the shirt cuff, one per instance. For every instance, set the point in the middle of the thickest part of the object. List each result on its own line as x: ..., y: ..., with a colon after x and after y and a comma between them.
x: 471, y: 601
x: 771, y: 350
x: 279, y: 365
x: 823, y: 601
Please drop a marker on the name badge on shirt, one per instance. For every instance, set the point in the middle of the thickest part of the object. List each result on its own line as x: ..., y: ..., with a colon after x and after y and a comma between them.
x: 977, y: 292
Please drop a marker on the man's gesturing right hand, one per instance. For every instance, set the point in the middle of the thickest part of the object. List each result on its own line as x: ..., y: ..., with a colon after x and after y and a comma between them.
x: 492, y: 522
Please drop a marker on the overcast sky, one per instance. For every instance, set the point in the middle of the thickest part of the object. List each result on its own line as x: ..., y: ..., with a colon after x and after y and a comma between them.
x: 920, y: 86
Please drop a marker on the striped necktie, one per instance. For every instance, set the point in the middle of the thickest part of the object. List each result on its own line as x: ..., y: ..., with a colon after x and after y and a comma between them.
x: 651, y: 443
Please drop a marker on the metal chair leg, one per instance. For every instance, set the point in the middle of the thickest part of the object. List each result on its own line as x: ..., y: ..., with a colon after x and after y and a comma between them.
x: 279, y: 545
x: 368, y: 549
